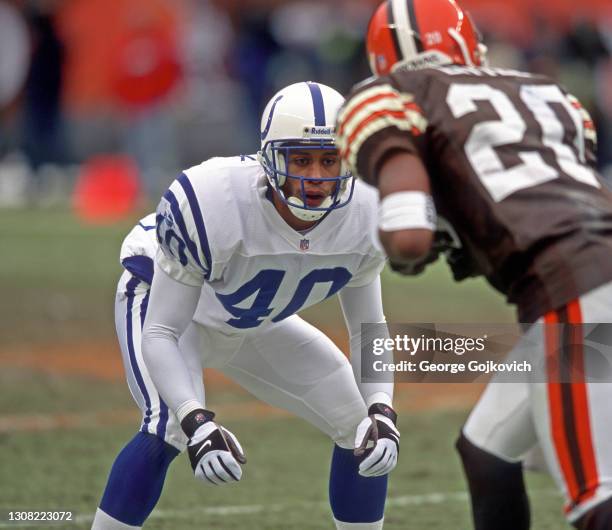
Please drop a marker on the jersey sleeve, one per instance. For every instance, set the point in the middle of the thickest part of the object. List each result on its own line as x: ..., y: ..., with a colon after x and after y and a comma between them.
x: 184, y: 252
x: 139, y: 248
x: 371, y: 268
x: 377, y: 119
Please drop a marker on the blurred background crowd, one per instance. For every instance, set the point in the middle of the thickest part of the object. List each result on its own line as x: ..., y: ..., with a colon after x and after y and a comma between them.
x: 125, y: 93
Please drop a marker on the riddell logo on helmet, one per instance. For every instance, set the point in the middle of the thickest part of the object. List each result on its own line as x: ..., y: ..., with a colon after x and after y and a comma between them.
x: 319, y: 131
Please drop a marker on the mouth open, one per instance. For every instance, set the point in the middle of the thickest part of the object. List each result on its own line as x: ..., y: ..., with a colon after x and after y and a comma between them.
x: 314, y: 198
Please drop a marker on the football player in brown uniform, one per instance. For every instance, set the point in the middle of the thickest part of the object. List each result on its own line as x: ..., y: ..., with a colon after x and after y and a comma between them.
x: 505, y: 158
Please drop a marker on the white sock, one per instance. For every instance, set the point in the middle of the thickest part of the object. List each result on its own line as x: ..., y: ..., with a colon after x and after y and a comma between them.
x: 103, y: 521
x: 376, y: 525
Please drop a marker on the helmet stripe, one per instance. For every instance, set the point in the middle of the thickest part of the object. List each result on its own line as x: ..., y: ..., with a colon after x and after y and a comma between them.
x: 317, y: 103
x: 403, y: 28
x: 265, y: 132
x: 393, y: 31
x: 416, y: 33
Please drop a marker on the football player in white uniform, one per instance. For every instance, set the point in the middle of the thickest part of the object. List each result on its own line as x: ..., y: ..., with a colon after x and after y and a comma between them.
x: 245, y: 243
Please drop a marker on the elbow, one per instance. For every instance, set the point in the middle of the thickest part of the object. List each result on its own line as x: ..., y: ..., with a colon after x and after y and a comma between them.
x: 407, y: 244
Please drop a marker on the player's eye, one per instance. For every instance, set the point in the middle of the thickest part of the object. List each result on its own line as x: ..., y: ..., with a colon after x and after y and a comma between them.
x: 330, y: 161
x: 300, y: 161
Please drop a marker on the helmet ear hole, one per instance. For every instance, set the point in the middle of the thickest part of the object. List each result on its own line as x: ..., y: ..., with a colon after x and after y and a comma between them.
x: 282, y: 165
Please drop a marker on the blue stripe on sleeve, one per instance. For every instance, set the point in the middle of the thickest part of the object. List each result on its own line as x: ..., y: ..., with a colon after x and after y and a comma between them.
x: 140, y: 266
x: 317, y: 103
x: 146, y: 227
x: 180, y: 222
x: 199, y: 221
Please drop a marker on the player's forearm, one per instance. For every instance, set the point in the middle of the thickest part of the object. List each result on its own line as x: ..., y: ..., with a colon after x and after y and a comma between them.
x: 171, y: 308
x: 407, y: 212
x: 168, y: 371
x: 379, y: 392
x: 364, y: 305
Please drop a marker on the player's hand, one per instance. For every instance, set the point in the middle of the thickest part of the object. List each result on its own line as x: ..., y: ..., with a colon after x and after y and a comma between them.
x: 461, y: 263
x: 215, y: 454
x: 457, y: 256
x: 378, y: 436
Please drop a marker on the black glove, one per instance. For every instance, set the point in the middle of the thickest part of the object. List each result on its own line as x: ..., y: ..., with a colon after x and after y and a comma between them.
x: 461, y: 263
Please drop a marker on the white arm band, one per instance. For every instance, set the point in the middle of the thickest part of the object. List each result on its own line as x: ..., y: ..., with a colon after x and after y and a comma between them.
x: 407, y: 210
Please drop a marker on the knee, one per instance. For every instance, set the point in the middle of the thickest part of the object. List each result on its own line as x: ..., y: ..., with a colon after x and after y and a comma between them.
x: 485, y: 467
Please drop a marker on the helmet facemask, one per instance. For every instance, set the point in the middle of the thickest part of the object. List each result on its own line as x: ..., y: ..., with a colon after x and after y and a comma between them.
x: 274, y: 158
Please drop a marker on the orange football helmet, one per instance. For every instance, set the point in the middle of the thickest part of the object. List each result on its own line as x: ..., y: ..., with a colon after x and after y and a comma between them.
x: 413, y: 34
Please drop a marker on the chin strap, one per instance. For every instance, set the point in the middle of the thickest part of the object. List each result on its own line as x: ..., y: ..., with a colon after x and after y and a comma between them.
x: 296, y: 207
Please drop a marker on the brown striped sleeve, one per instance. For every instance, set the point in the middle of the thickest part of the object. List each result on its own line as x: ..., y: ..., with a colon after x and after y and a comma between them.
x: 375, y: 120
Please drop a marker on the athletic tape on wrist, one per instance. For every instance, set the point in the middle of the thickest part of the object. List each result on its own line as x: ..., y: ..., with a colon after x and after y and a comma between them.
x: 407, y: 210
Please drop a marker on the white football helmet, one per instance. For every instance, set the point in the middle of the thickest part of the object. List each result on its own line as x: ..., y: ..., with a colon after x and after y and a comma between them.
x: 302, y: 115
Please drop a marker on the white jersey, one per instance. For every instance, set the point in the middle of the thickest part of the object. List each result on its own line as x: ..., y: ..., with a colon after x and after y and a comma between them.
x: 218, y: 229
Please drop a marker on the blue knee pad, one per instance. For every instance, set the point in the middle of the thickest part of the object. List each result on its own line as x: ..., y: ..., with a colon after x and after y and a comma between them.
x: 353, y: 498
x: 136, y: 479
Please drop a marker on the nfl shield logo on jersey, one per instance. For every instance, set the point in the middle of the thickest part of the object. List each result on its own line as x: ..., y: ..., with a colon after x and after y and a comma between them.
x: 304, y: 244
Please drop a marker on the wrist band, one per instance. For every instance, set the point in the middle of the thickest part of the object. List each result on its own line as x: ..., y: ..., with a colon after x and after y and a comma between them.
x: 194, y: 419
x: 407, y: 210
x: 385, y: 410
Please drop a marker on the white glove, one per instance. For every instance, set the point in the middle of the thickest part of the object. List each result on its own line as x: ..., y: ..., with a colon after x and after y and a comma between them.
x: 377, y: 435
x: 214, y: 452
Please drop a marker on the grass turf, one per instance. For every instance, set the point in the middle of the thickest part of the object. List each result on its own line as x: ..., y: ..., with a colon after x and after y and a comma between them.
x: 58, y: 278
x: 284, y: 484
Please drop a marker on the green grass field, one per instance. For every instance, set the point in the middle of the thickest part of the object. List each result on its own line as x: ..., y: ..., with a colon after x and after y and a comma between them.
x: 60, y: 430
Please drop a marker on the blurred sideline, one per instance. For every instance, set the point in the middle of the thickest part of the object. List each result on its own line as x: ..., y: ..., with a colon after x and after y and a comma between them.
x: 170, y: 83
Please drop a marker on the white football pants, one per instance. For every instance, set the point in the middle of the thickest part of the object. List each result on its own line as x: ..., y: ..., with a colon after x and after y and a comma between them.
x: 571, y: 421
x: 290, y: 365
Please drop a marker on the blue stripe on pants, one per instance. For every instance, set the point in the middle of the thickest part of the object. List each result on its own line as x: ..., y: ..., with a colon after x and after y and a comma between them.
x: 163, y: 408
x: 130, y: 292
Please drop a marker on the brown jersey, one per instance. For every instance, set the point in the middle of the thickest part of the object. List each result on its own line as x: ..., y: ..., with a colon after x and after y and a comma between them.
x: 510, y: 159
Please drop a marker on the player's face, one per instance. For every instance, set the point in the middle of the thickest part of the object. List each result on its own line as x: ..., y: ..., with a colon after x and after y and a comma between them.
x: 314, y: 164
